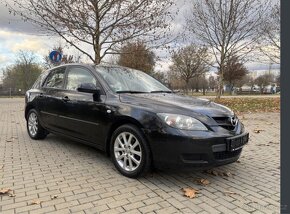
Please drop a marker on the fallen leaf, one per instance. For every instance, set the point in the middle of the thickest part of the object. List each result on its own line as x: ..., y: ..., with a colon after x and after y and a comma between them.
x: 273, y: 142
x: 11, y: 195
x: 257, y: 131
x: 5, y: 190
x: 36, y: 201
x: 54, y: 197
x: 238, y: 161
x: 9, y: 140
x: 230, y: 193
x: 263, y: 145
x: 228, y: 174
x: 203, y: 181
x: 1, y: 166
x: 190, y: 192
x: 212, y: 172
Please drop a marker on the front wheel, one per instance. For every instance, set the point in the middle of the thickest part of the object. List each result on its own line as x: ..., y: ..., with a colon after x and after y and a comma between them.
x: 35, y: 130
x: 130, y: 152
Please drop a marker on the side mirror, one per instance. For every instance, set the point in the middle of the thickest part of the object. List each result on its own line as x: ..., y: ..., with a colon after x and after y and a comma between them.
x: 90, y: 88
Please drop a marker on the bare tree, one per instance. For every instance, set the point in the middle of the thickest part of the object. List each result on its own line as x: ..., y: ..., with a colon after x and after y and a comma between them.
x: 23, y: 73
x: 199, y: 83
x: 234, y: 71
x: 212, y: 82
x: 138, y: 56
x: 228, y: 27
x: 264, y: 80
x: 246, y: 80
x: 189, y: 62
x: 270, y: 39
x: 98, y: 25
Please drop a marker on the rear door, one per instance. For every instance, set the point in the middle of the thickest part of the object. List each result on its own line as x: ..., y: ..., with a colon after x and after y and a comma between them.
x: 51, y: 100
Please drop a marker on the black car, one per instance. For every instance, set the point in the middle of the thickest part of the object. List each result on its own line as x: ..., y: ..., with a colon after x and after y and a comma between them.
x: 134, y: 118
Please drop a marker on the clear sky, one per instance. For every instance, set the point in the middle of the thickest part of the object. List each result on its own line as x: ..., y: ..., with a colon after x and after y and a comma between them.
x: 17, y: 35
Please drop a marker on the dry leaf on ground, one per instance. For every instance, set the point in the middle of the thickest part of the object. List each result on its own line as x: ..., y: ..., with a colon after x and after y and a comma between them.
x: 228, y: 174
x: 257, y: 131
x: 230, y: 193
x: 1, y: 166
x: 5, y: 190
x: 212, y: 172
x: 36, y: 201
x: 269, y: 142
x: 203, y: 181
x: 190, y: 192
x: 11, y: 195
x: 54, y: 197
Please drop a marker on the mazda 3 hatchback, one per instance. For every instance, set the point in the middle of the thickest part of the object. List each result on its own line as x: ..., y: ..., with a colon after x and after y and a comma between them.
x: 138, y: 121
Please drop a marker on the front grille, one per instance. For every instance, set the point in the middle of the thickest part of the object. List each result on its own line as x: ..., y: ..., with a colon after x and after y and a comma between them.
x: 226, y: 154
x: 225, y: 122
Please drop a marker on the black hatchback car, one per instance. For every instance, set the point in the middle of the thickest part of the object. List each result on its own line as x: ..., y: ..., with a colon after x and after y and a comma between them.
x: 134, y: 118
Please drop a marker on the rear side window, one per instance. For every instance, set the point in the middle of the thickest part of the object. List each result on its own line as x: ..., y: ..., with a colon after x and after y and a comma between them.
x: 56, y: 78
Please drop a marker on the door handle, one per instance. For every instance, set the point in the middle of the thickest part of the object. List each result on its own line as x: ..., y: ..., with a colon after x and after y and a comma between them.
x: 65, y: 99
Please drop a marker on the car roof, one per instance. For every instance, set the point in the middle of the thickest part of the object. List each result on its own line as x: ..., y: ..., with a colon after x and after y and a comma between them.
x: 102, y: 65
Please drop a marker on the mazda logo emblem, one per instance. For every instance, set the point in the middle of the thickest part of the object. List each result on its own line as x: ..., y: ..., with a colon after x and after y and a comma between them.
x: 234, y: 121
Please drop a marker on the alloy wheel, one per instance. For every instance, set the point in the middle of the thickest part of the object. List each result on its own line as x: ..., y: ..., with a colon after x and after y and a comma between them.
x: 127, y: 151
x: 33, y: 124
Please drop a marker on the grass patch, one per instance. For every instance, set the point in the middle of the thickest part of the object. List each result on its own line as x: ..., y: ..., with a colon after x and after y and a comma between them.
x: 250, y: 105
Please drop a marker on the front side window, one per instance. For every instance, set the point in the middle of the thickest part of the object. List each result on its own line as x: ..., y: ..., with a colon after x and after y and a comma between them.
x: 78, y: 76
x: 55, y: 78
x: 40, y: 79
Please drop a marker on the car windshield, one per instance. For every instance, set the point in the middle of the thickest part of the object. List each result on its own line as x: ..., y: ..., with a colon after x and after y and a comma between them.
x: 125, y: 80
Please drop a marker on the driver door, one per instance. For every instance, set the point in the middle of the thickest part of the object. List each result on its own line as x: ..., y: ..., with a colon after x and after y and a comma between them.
x: 83, y: 116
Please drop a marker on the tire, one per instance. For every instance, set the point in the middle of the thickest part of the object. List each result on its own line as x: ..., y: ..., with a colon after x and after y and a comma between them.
x: 34, y: 129
x: 132, y: 157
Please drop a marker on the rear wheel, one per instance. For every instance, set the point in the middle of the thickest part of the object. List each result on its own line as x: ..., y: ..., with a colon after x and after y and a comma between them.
x: 130, y: 152
x: 35, y: 130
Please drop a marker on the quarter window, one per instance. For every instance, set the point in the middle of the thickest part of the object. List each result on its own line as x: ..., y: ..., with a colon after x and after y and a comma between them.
x: 77, y: 76
x: 55, y: 78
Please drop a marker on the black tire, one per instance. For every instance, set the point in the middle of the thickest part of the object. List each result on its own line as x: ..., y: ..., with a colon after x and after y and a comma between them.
x: 142, y: 146
x: 39, y: 132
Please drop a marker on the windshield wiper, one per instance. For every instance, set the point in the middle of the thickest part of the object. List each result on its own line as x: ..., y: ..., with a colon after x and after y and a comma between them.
x: 169, y: 92
x: 131, y: 92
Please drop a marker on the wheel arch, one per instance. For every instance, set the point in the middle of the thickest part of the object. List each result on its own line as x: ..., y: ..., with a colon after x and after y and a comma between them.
x: 120, y: 122
x: 28, y: 108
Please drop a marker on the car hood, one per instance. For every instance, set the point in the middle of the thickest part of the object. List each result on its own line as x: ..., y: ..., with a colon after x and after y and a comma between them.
x: 174, y: 103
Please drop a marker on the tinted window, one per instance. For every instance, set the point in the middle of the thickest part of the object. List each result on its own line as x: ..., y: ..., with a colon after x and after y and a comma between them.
x: 55, y: 78
x: 77, y: 76
x: 40, y: 80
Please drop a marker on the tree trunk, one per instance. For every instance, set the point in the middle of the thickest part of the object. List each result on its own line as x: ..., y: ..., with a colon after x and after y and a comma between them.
x: 97, y: 54
x: 220, y: 85
x: 186, y: 86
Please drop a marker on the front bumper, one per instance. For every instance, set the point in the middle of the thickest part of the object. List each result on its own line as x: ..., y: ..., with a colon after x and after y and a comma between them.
x: 177, y: 151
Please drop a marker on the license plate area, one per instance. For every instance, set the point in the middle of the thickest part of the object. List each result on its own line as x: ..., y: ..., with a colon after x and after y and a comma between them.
x: 235, y: 143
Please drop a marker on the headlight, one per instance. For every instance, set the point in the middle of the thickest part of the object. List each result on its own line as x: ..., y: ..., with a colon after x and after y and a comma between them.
x: 182, y: 122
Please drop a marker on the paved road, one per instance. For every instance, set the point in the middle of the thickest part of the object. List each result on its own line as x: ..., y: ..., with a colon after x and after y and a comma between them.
x: 61, y: 176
